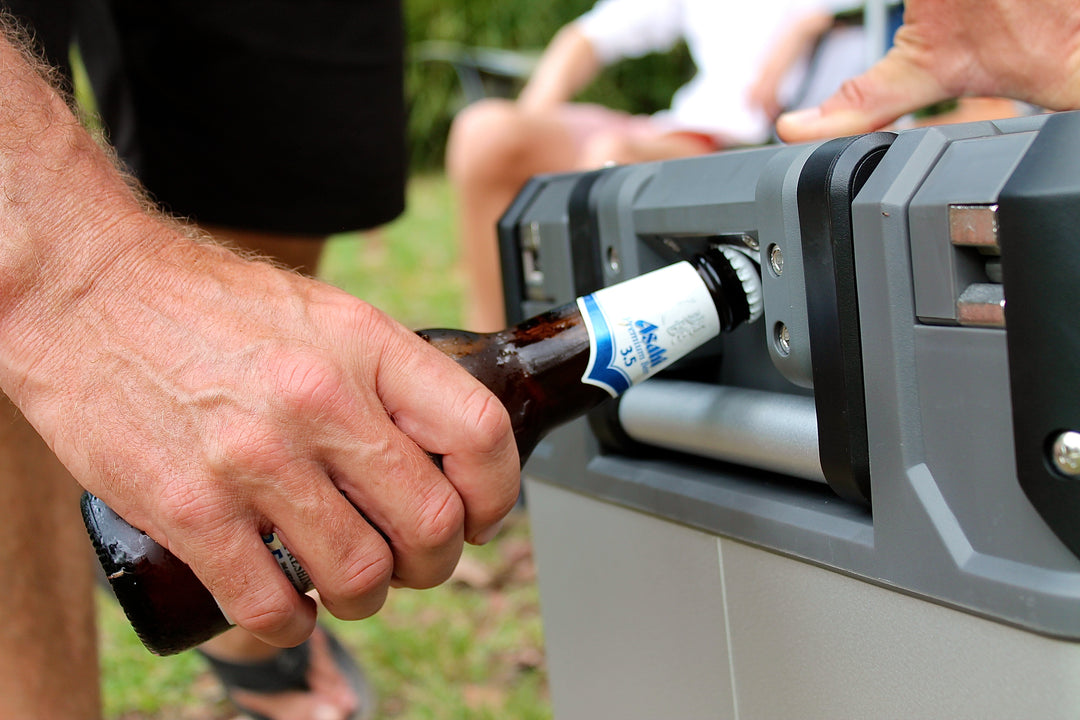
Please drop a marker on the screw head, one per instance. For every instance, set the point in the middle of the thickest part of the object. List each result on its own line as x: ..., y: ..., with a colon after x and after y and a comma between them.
x: 1065, y: 453
x: 776, y: 260
x: 783, y: 339
x: 614, y: 262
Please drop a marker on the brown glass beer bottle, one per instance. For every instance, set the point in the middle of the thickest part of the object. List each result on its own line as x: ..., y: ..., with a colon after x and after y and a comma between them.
x: 547, y: 371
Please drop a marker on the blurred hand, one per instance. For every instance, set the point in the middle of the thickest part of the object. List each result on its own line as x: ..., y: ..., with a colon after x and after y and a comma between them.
x: 1027, y: 51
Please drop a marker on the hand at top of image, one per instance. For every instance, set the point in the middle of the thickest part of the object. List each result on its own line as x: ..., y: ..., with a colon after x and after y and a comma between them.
x: 1008, y: 48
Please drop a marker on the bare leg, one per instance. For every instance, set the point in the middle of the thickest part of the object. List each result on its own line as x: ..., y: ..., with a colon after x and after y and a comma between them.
x: 492, y: 150
x: 294, y: 252
x: 48, y: 643
x: 623, y: 150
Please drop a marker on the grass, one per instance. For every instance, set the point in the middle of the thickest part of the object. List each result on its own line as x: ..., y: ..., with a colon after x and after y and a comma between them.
x: 472, y: 648
x: 408, y: 268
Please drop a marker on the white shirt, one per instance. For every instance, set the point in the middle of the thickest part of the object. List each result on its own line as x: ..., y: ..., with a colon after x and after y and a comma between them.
x: 728, y: 42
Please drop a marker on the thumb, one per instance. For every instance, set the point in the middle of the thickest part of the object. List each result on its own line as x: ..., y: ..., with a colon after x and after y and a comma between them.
x: 891, y: 88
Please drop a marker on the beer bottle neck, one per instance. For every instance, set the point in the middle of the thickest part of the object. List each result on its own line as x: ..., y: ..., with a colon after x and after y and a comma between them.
x: 559, y: 365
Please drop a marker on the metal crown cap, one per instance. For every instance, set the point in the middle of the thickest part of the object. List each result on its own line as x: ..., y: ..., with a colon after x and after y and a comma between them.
x: 747, y: 272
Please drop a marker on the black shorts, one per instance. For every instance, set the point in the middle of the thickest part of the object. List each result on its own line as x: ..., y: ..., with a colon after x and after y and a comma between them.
x: 284, y: 116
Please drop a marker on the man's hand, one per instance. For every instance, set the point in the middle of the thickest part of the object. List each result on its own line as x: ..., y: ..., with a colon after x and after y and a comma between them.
x: 209, y: 399
x: 1023, y: 50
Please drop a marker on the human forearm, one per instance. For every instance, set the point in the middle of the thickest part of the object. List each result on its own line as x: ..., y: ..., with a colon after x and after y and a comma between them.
x: 210, y: 399
x: 566, y: 67
x: 66, y: 214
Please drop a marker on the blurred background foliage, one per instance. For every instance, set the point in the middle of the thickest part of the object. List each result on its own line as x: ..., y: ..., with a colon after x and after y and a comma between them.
x: 640, y: 85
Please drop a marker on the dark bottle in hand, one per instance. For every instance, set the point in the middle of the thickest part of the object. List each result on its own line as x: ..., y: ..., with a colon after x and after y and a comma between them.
x: 547, y: 371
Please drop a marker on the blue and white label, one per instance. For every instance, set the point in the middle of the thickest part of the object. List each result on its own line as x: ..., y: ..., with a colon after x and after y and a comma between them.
x: 639, y: 327
x: 288, y: 563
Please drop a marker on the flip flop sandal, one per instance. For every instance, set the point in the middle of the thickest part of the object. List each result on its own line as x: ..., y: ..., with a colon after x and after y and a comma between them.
x: 288, y: 671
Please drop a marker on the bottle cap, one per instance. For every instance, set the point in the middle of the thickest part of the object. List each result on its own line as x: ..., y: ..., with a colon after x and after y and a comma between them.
x: 748, y: 274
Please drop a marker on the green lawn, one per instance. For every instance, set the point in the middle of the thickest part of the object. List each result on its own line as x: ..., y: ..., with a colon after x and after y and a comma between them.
x: 472, y: 648
x: 408, y: 268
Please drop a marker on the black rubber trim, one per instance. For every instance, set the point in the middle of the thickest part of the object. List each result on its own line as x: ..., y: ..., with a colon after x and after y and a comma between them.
x: 583, y: 227
x: 584, y: 239
x: 1038, y: 216
x: 508, y: 229
x: 832, y: 176
x: 605, y: 426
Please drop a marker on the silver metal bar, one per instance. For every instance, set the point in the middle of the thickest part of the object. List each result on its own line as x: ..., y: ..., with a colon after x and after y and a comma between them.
x: 974, y: 226
x: 982, y: 305
x: 765, y: 430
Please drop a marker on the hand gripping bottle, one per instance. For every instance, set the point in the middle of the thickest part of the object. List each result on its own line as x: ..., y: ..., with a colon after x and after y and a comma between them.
x: 547, y: 371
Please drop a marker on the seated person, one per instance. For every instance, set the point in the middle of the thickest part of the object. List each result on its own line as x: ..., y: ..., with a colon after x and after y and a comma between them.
x: 495, y: 145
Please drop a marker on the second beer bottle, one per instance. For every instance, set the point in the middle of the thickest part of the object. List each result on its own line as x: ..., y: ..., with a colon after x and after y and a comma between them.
x: 547, y: 371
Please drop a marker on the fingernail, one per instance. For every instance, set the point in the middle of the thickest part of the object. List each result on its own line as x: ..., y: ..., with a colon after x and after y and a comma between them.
x: 486, y: 536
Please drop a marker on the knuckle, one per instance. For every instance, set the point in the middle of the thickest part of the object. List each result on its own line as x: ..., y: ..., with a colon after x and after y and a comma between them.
x: 487, y: 420
x: 244, y: 448
x: 362, y: 588
x: 428, y: 557
x: 365, y: 318
x: 267, y: 616
x: 442, y: 519
x: 305, y: 384
x: 853, y: 92
x: 191, y: 509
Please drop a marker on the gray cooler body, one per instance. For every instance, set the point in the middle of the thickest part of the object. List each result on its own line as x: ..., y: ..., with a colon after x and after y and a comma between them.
x: 866, y: 504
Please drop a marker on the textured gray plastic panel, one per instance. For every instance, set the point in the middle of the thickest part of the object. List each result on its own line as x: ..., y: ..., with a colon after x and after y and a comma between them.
x: 949, y: 523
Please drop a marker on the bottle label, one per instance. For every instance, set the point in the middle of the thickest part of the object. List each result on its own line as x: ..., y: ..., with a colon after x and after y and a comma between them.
x: 289, y: 565
x: 639, y: 327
